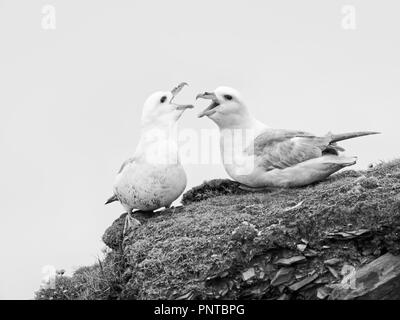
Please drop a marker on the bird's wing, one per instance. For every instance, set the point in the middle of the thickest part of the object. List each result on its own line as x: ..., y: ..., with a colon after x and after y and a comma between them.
x: 126, y: 162
x: 279, y: 149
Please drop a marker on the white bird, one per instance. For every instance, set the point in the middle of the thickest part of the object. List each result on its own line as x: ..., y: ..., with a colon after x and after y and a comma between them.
x: 259, y: 157
x: 154, y: 177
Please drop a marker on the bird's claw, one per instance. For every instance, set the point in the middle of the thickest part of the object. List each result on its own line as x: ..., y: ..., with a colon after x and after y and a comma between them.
x: 130, y: 224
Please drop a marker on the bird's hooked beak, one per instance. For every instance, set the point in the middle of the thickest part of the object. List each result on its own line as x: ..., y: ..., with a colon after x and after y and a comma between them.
x: 175, y: 92
x: 210, y: 109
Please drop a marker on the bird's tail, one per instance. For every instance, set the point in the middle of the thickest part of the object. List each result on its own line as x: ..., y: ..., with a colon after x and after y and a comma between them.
x: 112, y: 199
x: 350, y: 135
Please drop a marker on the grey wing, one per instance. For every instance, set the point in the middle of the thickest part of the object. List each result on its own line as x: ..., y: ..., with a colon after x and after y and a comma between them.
x: 279, y: 149
x: 126, y: 162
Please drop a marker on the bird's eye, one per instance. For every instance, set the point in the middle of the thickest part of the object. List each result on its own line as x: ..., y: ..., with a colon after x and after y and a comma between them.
x: 228, y: 97
x: 162, y: 100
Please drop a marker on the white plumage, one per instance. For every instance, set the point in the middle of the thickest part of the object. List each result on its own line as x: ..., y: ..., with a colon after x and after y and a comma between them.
x: 259, y: 156
x: 154, y: 177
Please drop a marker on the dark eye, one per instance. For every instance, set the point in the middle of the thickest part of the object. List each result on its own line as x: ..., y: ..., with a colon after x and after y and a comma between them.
x: 228, y: 97
x: 162, y: 100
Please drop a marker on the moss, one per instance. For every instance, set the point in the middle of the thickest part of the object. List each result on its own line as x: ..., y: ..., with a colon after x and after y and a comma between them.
x: 209, y: 189
x: 369, y: 183
x: 100, y: 281
x: 201, y: 250
x: 113, y: 235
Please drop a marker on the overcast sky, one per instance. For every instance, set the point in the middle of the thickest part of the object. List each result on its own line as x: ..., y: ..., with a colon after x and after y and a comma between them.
x: 70, y: 100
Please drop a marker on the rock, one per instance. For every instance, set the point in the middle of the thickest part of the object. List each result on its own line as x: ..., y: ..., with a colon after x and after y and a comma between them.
x: 366, y: 252
x: 284, y: 297
x: 347, y: 235
x: 187, y: 296
x: 298, y: 285
x: 301, y: 247
x: 377, y: 252
x: 113, y: 236
x: 248, y: 274
x: 290, y: 261
x: 333, y: 272
x: 178, y: 249
x: 332, y: 262
x: 359, y: 232
x: 323, y: 280
x: 377, y: 280
x: 347, y: 270
x: 311, y: 253
x: 322, y: 293
x: 284, y: 275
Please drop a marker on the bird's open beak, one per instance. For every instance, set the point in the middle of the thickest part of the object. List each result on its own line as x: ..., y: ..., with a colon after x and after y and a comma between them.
x: 210, y: 109
x: 175, y: 92
x: 177, y: 89
x: 183, y: 106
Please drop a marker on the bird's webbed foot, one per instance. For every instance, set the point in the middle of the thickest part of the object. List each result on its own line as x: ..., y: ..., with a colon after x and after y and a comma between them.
x: 130, y: 223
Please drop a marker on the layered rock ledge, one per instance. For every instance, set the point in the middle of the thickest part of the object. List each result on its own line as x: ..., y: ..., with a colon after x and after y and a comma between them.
x: 338, y: 239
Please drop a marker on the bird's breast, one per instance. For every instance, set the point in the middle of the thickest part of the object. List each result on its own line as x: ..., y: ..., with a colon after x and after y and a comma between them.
x: 233, y: 146
x: 147, y: 186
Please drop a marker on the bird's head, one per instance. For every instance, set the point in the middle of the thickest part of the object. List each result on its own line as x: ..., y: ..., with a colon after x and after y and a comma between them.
x: 160, y: 110
x: 227, y: 108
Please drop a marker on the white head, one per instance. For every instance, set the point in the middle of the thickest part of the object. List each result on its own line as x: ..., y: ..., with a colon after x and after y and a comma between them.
x: 227, y: 108
x: 159, y: 109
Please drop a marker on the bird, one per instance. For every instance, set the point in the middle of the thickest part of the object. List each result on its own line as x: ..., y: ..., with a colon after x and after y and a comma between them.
x: 153, y: 177
x: 258, y: 156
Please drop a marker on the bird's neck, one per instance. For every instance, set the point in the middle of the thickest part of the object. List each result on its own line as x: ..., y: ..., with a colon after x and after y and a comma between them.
x: 236, y: 138
x: 159, y: 143
x: 162, y: 130
x: 244, y: 122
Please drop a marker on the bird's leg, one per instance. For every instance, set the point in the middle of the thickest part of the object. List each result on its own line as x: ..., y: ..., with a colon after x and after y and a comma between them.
x: 253, y: 189
x: 130, y: 223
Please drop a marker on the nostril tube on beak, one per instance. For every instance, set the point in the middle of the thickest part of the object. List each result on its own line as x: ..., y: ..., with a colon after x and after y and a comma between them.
x: 207, y: 95
x: 184, y: 107
x: 200, y: 95
x: 178, y: 88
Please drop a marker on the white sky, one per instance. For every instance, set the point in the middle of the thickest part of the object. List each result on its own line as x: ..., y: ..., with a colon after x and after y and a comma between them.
x: 70, y: 100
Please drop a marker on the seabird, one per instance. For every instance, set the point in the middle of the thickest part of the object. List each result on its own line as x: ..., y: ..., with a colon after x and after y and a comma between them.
x: 154, y: 177
x: 260, y: 157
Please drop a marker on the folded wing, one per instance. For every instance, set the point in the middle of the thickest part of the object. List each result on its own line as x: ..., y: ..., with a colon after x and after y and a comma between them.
x: 126, y: 162
x: 279, y: 149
